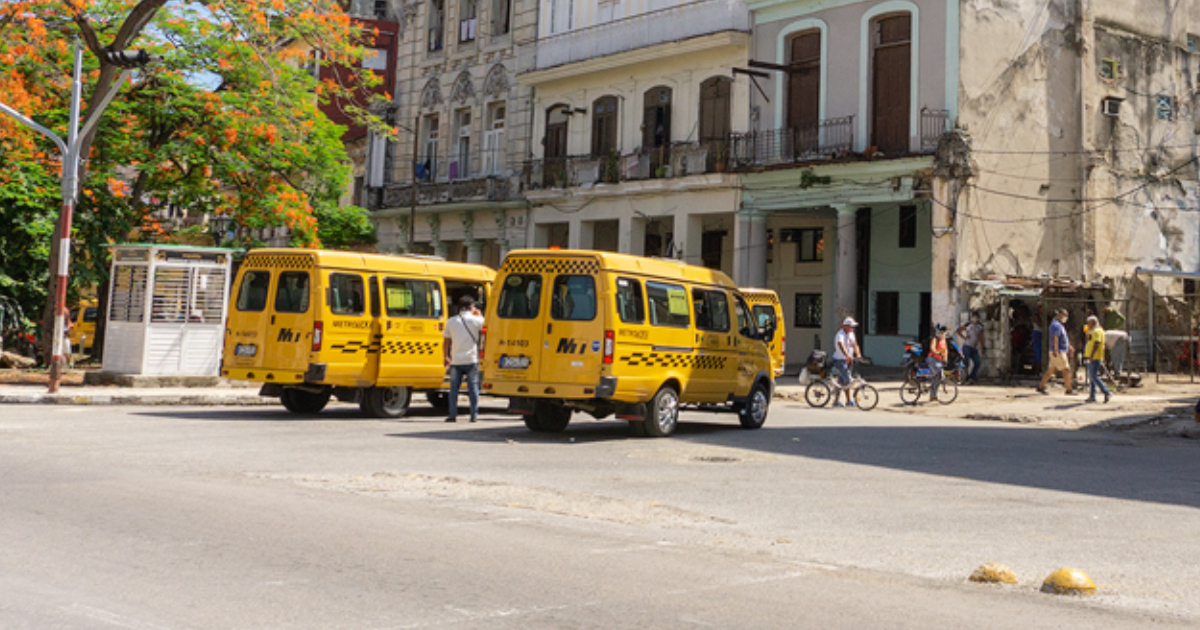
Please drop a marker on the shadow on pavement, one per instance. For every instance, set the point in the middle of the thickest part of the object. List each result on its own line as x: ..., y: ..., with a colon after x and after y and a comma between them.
x: 335, y: 411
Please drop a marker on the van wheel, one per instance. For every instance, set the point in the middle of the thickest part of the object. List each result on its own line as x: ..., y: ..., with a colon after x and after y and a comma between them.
x: 531, y: 422
x: 662, y: 414
x: 552, y: 417
x: 303, y: 402
x: 753, y: 414
x: 386, y: 402
x: 439, y: 400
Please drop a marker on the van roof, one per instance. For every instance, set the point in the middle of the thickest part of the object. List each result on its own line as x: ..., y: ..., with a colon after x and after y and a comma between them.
x: 665, y: 268
x: 298, y: 258
x: 757, y: 291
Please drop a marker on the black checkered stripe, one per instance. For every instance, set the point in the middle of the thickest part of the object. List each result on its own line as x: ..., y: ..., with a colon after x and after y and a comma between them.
x: 674, y: 360
x: 354, y: 347
x: 582, y: 266
x: 758, y: 298
x: 409, y: 347
x: 269, y: 261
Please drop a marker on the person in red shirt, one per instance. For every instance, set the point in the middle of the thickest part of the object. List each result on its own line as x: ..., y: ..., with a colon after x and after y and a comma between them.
x: 937, y: 359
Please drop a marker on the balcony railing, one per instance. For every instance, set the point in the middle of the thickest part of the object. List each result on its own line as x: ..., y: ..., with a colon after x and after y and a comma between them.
x: 825, y: 140
x: 477, y: 176
x: 934, y: 124
x: 687, y: 20
x: 677, y: 160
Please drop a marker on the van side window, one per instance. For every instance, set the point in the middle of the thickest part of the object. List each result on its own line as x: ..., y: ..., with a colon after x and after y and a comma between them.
x: 457, y: 289
x: 712, y: 310
x: 629, y: 301
x: 291, y: 296
x: 252, y: 295
x: 89, y: 314
x: 412, y: 298
x: 574, y: 298
x: 764, y: 314
x: 346, y: 294
x: 745, y: 323
x: 668, y: 305
x: 520, y: 297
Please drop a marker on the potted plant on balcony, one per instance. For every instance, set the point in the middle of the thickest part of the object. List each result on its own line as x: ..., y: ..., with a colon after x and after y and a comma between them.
x: 610, y: 167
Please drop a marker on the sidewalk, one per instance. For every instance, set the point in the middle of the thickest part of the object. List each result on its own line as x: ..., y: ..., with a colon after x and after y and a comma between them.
x: 1153, y: 408
x: 29, y: 387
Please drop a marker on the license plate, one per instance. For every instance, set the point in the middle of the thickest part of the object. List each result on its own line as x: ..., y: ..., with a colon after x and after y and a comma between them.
x: 514, y: 363
x: 245, y: 350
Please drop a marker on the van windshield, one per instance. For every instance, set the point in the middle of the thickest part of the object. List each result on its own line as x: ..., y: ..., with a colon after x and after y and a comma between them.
x: 520, y: 297
x: 89, y: 314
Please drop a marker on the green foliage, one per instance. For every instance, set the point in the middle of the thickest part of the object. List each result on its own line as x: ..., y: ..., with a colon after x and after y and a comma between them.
x: 809, y: 178
x: 29, y: 204
x: 344, y: 227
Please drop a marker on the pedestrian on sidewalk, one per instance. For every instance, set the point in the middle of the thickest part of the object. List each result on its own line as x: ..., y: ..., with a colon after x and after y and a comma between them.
x: 845, y: 353
x: 971, y: 335
x: 1113, y: 319
x: 1060, y: 350
x: 936, y: 359
x: 1093, y: 353
x: 462, y: 354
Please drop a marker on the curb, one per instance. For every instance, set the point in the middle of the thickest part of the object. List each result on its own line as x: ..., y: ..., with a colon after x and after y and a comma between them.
x: 136, y: 400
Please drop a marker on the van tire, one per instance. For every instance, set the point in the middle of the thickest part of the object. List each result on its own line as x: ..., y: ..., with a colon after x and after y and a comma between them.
x: 439, y: 400
x: 303, y: 402
x: 386, y: 402
x: 753, y: 413
x: 531, y: 422
x: 662, y: 414
x: 552, y: 417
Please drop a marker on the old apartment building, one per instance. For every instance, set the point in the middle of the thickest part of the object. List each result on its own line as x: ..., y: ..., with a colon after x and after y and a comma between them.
x: 882, y: 158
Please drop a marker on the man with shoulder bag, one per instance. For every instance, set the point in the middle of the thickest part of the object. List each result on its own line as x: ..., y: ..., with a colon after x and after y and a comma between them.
x: 462, y: 336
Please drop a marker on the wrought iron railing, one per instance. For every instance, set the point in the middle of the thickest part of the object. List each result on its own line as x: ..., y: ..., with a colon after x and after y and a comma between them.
x: 680, y: 159
x: 934, y: 124
x: 827, y: 139
x: 684, y: 21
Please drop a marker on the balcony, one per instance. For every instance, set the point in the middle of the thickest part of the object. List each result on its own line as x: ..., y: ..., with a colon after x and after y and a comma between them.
x: 478, y: 176
x: 934, y: 124
x: 678, y: 160
x: 826, y: 140
x: 685, y: 21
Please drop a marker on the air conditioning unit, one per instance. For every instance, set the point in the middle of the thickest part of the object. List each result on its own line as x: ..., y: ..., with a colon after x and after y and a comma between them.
x: 1111, y: 106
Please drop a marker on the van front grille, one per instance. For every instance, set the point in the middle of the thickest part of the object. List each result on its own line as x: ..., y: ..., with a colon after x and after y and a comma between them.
x: 569, y: 265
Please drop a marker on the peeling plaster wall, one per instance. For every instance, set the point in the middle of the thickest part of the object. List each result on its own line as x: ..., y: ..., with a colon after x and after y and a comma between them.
x: 1031, y: 95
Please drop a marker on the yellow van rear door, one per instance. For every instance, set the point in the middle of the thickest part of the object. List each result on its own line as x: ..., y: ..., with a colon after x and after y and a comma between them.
x: 289, y: 326
x: 246, y: 344
x: 515, y: 334
x: 572, y: 348
x: 411, y: 342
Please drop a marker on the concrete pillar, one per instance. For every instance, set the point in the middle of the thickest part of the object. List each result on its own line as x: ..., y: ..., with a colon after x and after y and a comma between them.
x: 582, y: 235
x: 633, y: 235
x: 502, y: 245
x: 474, y: 252
x: 689, y: 230
x: 846, y: 266
x: 541, y: 236
x: 750, y: 248
x: 440, y: 249
x: 943, y: 302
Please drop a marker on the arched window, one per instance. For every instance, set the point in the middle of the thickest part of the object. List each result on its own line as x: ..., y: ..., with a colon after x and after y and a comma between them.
x: 604, y: 126
x: 891, y: 86
x: 656, y: 118
x: 556, y: 131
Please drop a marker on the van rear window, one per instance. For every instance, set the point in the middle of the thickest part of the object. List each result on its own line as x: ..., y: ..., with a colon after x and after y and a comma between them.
x: 412, y: 298
x: 668, y: 305
x: 89, y: 314
x: 252, y: 295
x: 520, y: 297
x: 346, y: 294
x: 574, y: 298
x: 291, y: 296
x: 764, y: 314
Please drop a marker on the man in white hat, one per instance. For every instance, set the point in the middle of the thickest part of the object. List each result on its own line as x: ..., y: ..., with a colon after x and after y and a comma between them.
x: 845, y: 352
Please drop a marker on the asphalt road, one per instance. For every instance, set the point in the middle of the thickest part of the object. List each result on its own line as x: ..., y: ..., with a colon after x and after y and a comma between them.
x: 152, y: 518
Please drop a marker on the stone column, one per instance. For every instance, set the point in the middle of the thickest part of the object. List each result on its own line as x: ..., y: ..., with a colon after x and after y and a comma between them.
x: 750, y: 248
x: 474, y: 251
x: 846, y: 266
x: 689, y: 230
x: 633, y: 235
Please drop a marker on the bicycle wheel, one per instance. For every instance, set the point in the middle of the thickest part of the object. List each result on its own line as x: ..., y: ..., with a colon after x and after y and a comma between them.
x: 910, y: 392
x: 817, y: 393
x: 866, y: 397
x: 948, y: 392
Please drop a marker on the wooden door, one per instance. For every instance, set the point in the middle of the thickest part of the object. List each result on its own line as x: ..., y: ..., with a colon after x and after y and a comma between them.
x: 556, y: 146
x: 656, y: 126
x: 891, y: 88
x: 804, y: 89
x: 604, y: 126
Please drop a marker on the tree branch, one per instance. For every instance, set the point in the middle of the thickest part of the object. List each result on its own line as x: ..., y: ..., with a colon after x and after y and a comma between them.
x: 137, y: 20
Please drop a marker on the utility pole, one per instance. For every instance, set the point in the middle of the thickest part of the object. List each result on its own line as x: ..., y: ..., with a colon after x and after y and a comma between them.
x: 69, y: 153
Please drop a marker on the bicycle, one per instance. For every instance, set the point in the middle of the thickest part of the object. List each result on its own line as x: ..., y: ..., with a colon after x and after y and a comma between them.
x: 819, y: 392
x: 919, y: 383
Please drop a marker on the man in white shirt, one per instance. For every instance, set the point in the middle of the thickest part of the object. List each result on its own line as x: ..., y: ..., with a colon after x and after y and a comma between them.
x: 462, y: 336
x: 845, y: 352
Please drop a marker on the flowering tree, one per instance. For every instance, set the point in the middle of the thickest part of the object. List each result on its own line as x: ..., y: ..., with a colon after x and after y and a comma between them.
x: 225, y: 121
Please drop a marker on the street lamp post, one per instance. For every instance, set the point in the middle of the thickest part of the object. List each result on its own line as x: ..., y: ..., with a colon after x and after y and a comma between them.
x: 69, y: 154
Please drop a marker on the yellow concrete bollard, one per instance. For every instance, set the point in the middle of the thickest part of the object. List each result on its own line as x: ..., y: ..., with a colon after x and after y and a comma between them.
x: 994, y: 572
x: 1067, y: 581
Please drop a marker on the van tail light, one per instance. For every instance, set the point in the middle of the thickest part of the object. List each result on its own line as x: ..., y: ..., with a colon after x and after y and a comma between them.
x: 610, y: 342
x: 783, y: 347
x: 482, y: 341
x: 318, y: 329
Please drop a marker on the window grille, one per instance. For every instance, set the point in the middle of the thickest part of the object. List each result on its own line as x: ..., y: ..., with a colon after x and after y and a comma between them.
x: 128, y: 294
